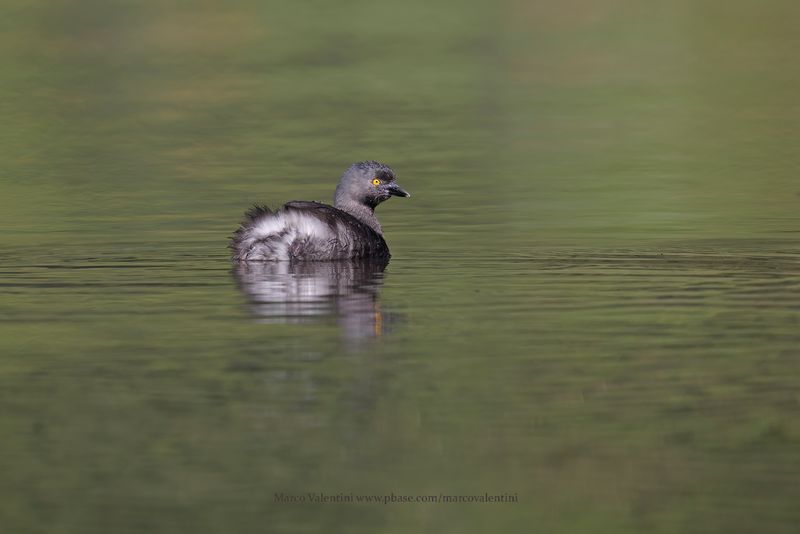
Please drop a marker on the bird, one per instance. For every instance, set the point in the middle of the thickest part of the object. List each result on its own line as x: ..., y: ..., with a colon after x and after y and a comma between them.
x: 312, y: 231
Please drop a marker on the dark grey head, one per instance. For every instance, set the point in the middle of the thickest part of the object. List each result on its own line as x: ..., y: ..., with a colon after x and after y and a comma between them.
x: 367, y: 183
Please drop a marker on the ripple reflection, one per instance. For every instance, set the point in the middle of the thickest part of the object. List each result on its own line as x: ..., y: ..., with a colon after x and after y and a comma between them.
x: 316, y: 292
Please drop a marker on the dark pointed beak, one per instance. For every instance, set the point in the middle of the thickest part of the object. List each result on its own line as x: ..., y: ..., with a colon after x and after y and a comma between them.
x: 397, y: 191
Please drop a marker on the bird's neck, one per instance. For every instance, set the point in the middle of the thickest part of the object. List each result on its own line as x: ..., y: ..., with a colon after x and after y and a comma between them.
x: 363, y: 213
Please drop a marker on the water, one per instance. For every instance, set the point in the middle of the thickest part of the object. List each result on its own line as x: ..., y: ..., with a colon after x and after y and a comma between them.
x: 592, y: 306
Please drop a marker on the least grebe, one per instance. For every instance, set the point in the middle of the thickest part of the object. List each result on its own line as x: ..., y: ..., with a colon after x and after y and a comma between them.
x: 312, y: 231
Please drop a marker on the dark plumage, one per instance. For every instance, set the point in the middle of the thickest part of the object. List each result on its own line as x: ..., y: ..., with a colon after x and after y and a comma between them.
x: 312, y: 231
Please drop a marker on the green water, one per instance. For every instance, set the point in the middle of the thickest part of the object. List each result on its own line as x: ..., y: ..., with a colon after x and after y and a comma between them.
x: 593, y: 303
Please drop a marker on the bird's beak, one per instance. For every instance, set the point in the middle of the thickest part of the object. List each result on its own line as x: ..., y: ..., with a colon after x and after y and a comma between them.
x: 397, y: 191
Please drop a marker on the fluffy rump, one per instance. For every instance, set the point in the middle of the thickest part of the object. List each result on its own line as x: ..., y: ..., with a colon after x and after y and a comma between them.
x: 304, y: 231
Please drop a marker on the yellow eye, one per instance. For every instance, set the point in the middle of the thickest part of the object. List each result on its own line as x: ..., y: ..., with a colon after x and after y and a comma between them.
x: 376, y: 182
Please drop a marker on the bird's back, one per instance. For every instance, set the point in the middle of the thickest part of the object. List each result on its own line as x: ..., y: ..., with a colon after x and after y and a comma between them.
x: 305, y: 231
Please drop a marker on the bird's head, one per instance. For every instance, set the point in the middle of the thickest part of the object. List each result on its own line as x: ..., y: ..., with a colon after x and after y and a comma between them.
x: 367, y: 183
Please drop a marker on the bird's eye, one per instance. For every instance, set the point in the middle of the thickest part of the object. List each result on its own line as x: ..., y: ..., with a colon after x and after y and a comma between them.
x: 376, y: 182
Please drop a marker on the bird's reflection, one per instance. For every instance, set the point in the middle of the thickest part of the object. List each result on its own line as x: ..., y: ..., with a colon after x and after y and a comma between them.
x: 316, y: 292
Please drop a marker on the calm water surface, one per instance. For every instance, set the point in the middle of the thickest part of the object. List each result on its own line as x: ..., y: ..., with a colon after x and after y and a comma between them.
x: 593, y: 303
